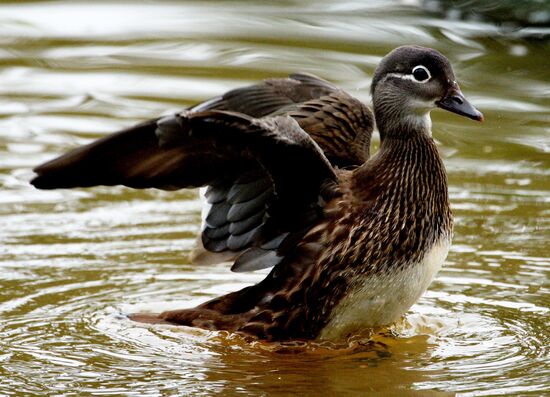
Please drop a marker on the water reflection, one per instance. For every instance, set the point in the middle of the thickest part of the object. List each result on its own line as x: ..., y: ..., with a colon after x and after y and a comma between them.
x: 73, y: 261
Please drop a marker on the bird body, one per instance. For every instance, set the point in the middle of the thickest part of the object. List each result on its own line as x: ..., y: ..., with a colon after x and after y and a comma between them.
x: 353, y: 241
x: 383, y: 298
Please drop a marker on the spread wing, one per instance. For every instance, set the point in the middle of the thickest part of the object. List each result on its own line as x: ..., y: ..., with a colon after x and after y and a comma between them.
x: 241, y: 192
x: 198, y: 148
x: 338, y: 122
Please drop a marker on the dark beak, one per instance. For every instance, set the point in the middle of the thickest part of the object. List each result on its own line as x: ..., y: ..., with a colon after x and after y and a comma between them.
x: 455, y: 102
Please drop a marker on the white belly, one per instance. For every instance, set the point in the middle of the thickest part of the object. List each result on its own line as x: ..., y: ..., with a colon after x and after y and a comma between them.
x: 383, y: 299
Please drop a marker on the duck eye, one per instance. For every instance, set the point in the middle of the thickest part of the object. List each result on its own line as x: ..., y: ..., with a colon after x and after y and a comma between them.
x: 421, y: 74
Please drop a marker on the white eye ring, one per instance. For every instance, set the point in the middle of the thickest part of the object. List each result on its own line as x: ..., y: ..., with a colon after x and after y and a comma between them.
x: 423, y: 68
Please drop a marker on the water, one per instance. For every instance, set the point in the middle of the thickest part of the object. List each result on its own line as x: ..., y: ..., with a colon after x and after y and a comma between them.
x: 71, y: 261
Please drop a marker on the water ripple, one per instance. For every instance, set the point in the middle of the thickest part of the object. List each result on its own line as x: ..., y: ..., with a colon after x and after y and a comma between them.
x: 73, y: 263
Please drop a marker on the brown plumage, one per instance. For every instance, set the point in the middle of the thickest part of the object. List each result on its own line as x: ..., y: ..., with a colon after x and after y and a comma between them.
x: 350, y: 247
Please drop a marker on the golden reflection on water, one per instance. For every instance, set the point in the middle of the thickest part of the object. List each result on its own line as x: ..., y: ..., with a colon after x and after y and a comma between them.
x: 73, y: 262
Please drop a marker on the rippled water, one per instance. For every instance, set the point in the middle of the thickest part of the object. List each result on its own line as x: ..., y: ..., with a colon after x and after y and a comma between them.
x: 72, y: 261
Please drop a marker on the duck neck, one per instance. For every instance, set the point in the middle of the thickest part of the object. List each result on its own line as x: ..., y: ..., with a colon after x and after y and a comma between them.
x: 403, y: 190
x: 409, y: 168
x: 399, y: 117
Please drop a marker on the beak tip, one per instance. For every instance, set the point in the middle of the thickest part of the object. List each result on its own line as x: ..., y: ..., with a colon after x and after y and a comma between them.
x: 480, y: 117
x: 455, y: 102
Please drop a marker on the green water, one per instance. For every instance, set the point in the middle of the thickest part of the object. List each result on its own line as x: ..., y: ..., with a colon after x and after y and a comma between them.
x: 71, y: 261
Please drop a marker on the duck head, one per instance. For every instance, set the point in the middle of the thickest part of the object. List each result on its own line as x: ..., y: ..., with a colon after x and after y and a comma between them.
x: 408, y: 83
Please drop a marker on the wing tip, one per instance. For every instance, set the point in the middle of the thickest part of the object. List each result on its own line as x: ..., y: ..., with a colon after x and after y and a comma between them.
x: 42, y: 180
x: 47, y: 178
x: 38, y: 182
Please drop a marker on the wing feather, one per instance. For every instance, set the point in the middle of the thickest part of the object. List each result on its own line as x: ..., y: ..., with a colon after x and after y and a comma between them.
x: 259, y: 165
